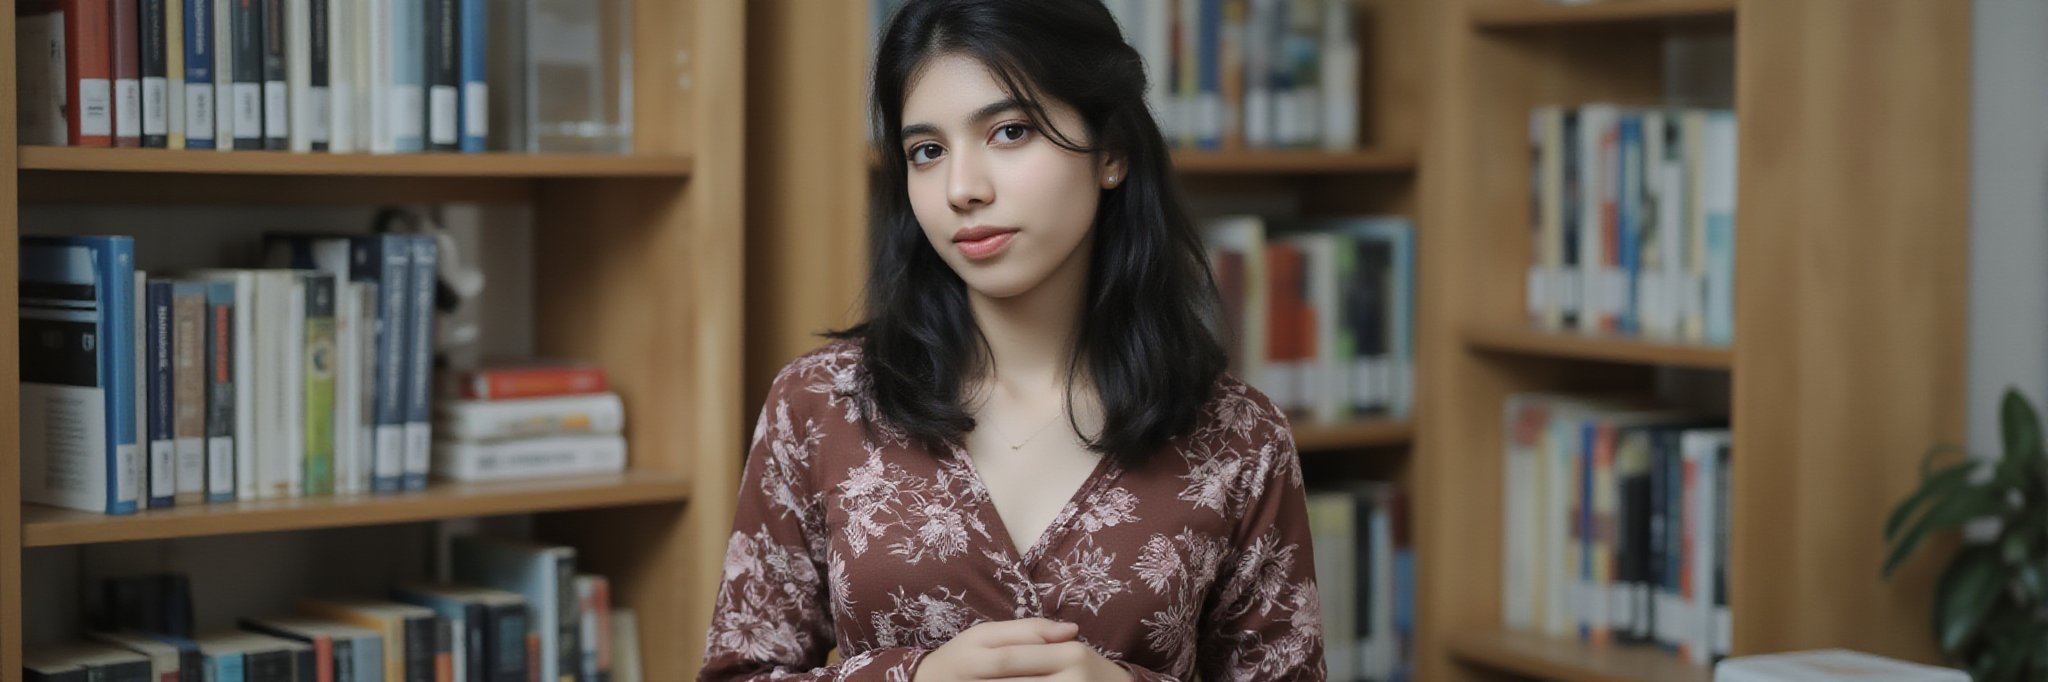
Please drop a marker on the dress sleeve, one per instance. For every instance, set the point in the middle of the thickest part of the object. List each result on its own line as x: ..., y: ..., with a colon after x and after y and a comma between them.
x: 1263, y: 621
x: 771, y: 619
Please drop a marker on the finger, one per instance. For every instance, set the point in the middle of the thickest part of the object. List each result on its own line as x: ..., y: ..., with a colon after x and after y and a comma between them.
x: 1032, y: 660
x: 1024, y: 631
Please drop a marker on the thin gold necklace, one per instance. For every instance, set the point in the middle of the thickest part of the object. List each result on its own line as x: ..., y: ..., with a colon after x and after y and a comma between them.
x: 1027, y: 440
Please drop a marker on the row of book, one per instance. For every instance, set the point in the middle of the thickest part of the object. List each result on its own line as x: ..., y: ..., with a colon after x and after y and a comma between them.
x: 1320, y: 317
x: 1365, y: 580
x: 1616, y: 525
x: 310, y: 378
x: 378, y: 76
x: 513, y: 612
x: 1632, y: 228
x: 1237, y: 74
x: 528, y: 419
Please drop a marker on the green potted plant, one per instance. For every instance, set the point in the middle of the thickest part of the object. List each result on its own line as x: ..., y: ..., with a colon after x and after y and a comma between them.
x: 1991, y: 604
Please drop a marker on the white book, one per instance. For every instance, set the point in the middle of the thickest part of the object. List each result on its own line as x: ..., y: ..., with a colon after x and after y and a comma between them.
x: 150, y: 484
x: 1697, y: 449
x: 40, y: 93
x: 298, y: 74
x: 376, y: 89
x: 529, y: 458
x: 224, y: 77
x: 341, y: 76
x: 493, y: 420
x: 1830, y: 665
x: 349, y: 464
x: 291, y: 453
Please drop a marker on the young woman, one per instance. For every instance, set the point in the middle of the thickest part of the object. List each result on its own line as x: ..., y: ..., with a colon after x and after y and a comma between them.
x: 1028, y: 461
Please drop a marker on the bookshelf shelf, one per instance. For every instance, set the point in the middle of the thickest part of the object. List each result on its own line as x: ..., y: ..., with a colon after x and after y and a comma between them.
x: 1518, y: 341
x: 1368, y: 433
x: 50, y: 526
x: 1295, y: 162
x: 1571, y: 661
x: 1533, y: 14
x: 440, y: 165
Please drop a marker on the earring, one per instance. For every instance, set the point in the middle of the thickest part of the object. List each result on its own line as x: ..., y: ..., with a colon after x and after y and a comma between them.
x: 1112, y: 181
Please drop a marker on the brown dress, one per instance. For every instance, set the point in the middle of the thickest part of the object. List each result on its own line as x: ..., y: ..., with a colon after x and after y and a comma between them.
x: 1198, y: 562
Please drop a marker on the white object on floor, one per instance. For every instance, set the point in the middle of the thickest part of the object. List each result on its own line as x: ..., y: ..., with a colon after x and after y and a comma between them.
x: 1830, y: 665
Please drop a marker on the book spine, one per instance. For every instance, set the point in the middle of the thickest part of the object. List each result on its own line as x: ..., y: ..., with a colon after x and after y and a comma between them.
x: 349, y: 460
x: 298, y: 74
x: 408, y: 74
x: 248, y: 74
x: 188, y: 348
x: 370, y: 299
x: 154, y: 55
x: 530, y: 458
x: 475, y: 105
x: 420, y: 649
x: 387, y: 261
x: 375, y: 44
x: 568, y: 619
x: 510, y: 383
x: 89, y: 69
x: 276, y: 93
x: 341, y: 79
x: 163, y: 460
x: 198, y: 88
x: 174, y: 71
x: 127, y: 55
x: 220, y: 392
x: 318, y: 366
x: 319, y: 119
x: 479, y: 420
x: 506, y: 647
x: 39, y: 54
x: 443, y: 75
x: 420, y: 363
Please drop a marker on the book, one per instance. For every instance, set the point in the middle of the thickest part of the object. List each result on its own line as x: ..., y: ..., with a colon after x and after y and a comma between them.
x: 545, y: 576
x: 89, y: 73
x: 223, y: 369
x: 540, y: 457
x: 247, y: 59
x: 475, y: 105
x: 1829, y: 665
x: 259, y: 657
x: 342, y: 26
x: 594, y: 597
x: 162, y: 396
x: 419, y: 428
x: 174, y: 72
x: 339, y: 652
x: 500, y: 420
x: 79, y: 445
x: 223, y: 73
x: 167, y: 662
x: 39, y: 104
x: 493, y: 628
x: 443, y: 75
x: 407, y: 45
x: 188, y: 379
x: 530, y: 378
x: 386, y: 261
x: 127, y: 53
x: 407, y: 632
x: 319, y: 359
x: 276, y: 40
x: 198, y: 87
x: 239, y: 400
x: 97, y: 661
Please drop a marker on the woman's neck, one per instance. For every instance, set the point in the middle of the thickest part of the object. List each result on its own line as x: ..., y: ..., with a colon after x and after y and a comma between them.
x: 1031, y: 336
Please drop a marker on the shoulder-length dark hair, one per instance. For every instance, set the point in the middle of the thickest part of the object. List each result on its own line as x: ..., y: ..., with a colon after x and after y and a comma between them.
x: 1147, y: 338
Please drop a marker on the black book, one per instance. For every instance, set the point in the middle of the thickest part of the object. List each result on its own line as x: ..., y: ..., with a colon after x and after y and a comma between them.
x: 276, y: 98
x: 156, y: 95
x: 319, y: 64
x: 444, y: 75
x: 248, y: 104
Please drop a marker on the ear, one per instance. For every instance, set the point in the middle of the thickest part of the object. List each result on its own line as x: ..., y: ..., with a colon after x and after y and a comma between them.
x: 1110, y: 171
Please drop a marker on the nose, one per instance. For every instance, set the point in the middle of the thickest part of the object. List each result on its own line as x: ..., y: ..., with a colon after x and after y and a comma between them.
x: 967, y: 182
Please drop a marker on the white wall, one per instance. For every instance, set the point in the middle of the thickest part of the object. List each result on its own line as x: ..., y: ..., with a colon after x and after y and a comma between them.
x: 2009, y: 212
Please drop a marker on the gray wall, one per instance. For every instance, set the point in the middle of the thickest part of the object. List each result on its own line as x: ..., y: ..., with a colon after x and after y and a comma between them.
x: 2009, y: 207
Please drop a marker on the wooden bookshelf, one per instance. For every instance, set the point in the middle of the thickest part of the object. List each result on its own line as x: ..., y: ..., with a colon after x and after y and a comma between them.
x: 637, y: 263
x: 50, y: 526
x: 1294, y: 162
x: 1567, y: 345
x: 1572, y: 661
x: 1848, y: 366
x: 1532, y: 14
x: 1352, y: 435
x: 275, y: 163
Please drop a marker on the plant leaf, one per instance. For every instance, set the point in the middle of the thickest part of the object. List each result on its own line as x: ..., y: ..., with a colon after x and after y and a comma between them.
x: 1935, y: 484
x: 1949, y: 512
x: 1968, y: 591
x: 2021, y: 426
x: 1927, y: 460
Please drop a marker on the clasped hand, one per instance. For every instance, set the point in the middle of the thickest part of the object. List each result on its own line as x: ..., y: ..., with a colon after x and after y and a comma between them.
x: 1032, y: 648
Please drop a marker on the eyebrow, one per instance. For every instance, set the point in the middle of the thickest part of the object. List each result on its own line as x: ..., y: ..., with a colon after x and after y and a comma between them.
x: 980, y: 115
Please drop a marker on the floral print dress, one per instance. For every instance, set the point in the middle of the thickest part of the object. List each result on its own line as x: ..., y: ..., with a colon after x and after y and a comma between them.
x: 855, y: 537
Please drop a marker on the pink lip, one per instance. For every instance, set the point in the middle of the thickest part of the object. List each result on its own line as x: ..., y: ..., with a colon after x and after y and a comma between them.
x: 982, y: 242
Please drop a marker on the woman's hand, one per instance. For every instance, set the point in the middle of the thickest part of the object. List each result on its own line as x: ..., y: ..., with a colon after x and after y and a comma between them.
x: 1032, y: 647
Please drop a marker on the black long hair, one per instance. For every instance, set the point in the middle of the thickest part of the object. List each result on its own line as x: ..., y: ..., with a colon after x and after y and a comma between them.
x: 1147, y: 338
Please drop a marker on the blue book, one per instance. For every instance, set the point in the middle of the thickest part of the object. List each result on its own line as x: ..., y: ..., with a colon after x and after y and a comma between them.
x: 199, y: 124
x: 1209, y: 75
x: 1629, y: 212
x: 419, y: 385
x: 163, y: 459
x: 408, y: 100
x: 475, y: 107
x: 220, y: 390
x: 386, y: 260
x: 78, y: 393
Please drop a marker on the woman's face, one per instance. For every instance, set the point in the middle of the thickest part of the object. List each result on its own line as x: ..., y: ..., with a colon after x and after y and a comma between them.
x: 1005, y: 207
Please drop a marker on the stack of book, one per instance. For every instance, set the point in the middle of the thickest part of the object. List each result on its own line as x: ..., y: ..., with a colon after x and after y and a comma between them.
x: 140, y: 392
x: 1616, y: 523
x: 528, y: 419
x: 513, y: 611
x: 1320, y: 318
x: 1365, y: 580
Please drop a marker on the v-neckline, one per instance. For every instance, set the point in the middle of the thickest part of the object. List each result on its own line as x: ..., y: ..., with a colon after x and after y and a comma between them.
x: 985, y: 505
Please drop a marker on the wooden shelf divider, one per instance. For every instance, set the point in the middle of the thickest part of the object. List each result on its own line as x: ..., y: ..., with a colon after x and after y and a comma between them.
x: 1572, y: 661
x: 1363, y: 433
x: 1531, y: 14
x: 51, y: 526
x: 433, y: 165
x: 1575, y: 346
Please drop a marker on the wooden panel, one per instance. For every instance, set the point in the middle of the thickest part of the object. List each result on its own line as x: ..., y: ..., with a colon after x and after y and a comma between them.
x: 50, y: 526
x: 1523, y: 341
x: 482, y: 165
x: 1524, y: 14
x: 1572, y: 661
x: 1369, y: 433
x: 1851, y: 308
x: 807, y: 220
x: 1390, y: 35
x: 10, y: 374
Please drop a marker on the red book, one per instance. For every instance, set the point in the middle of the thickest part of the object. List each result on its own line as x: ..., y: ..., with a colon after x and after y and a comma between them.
x: 529, y: 379
x: 89, y: 73
x: 127, y: 55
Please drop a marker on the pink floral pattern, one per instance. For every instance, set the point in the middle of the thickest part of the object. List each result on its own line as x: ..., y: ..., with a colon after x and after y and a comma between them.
x: 848, y: 535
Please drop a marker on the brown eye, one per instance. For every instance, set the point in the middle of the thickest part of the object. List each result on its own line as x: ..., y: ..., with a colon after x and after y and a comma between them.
x: 925, y: 153
x: 1013, y: 132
